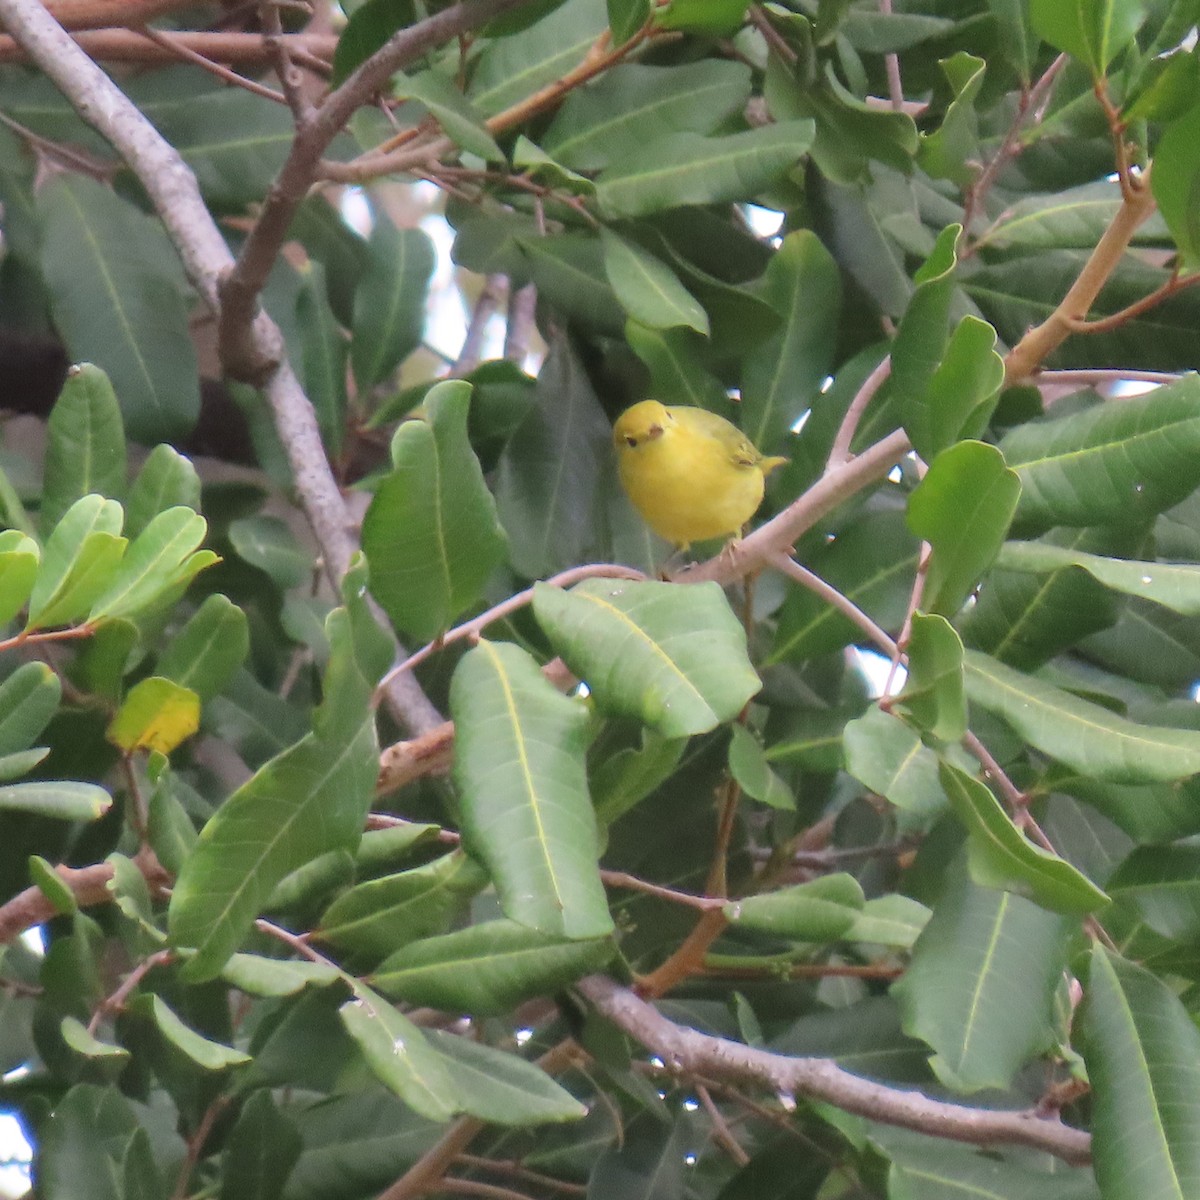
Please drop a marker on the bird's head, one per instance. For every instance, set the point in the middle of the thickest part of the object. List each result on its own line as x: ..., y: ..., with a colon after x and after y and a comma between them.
x: 643, y: 423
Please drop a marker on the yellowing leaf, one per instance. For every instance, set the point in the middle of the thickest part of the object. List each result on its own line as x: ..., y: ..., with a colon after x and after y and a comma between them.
x: 157, y: 714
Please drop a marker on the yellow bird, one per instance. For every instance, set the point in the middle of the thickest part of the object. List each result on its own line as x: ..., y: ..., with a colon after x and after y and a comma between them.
x: 690, y: 473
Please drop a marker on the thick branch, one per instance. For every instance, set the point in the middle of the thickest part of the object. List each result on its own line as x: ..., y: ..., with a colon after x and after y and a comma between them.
x: 689, y: 1052
x: 1033, y: 349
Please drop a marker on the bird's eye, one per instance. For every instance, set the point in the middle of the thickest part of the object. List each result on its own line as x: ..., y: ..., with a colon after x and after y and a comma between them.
x: 630, y: 441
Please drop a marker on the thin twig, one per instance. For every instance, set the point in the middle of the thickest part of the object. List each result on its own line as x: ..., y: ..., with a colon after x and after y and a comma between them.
x: 722, y: 1134
x: 184, y: 52
x: 474, y: 627
x: 116, y: 1002
x: 839, y: 453
x: 516, y: 1170
x: 891, y: 63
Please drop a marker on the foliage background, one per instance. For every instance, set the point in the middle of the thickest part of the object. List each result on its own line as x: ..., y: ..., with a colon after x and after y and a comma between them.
x: 600, y: 884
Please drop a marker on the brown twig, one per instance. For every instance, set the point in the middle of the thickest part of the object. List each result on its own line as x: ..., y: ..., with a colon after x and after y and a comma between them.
x: 129, y: 45
x: 516, y: 1170
x: 116, y: 1002
x: 185, y: 53
x: 721, y: 1132
x: 1036, y: 346
x: 839, y: 453
x: 1031, y: 105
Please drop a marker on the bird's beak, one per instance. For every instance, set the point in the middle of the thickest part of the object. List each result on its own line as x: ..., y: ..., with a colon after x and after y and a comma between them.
x: 655, y: 431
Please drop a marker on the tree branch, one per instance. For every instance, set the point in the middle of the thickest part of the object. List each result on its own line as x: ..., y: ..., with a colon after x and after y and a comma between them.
x: 240, y: 290
x: 688, y: 1052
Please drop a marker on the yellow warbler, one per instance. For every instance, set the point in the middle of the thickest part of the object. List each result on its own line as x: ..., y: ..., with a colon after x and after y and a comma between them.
x: 690, y: 473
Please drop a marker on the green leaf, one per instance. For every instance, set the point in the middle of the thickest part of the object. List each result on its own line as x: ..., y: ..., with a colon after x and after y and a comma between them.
x: 551, y: 470
x: 488, y: 967
x: 677, y: 374
x: 169, y: 829
x: 1024, y: 619
x: 156, y: 715
x: 118, y: 302
x: 52, y: 885
x: 323, y: 356
x: 892, y: 920
x: 1017, y: 40
x: 309, y: 800
x: 1074, y: 217
x: 64, y: 800
x: 82, y: 1144
x: 503, y: 1088
x: 635, y: 103
x: 819, y: 911
x: 19, y: 557
x: 371, y: 24
x: 1093, y: 740
x: 1174, y: 183
x: 166, y: 480
x: 28, y: 699
x: 400, y: 1057
x: 153, y: 563
x: 381, y: 915
x: 233, y: 142
x: 512, y: 68
x: 80, y: 558
x: 961, y: 393
x: 949, y: 151
x: 783, y: 376
x: 981, y: 983
x: 686, y: 168
x: 272, y: 977
x: 1173, y: 585
x: 525, y: 808
x: 999, y: 855
x: 962, y: 508
x: 624, y: 779
x: 212, y: 1056
x: 1142, y: 1052
x: 675, y: 658
x: 888, y: 756
x: 1162, y: 883
x: 749, y: 767
x: 1112, y: 463
x: 389, y: 303
x: 626, y: 17
x: 208, y: 650
x: 568, y: 270
x: 933, y: 693
x: 76, y: 1035
x: 711, y: 18
x: 431, y: 534
x: 924, y: 329
x: 1092, y: 31
x: 458, y: 118
x: 85, y: 444
x: 649, y: 291
x: 648, y: 1163
x: 262, y: 1150
x: 268, y: 544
